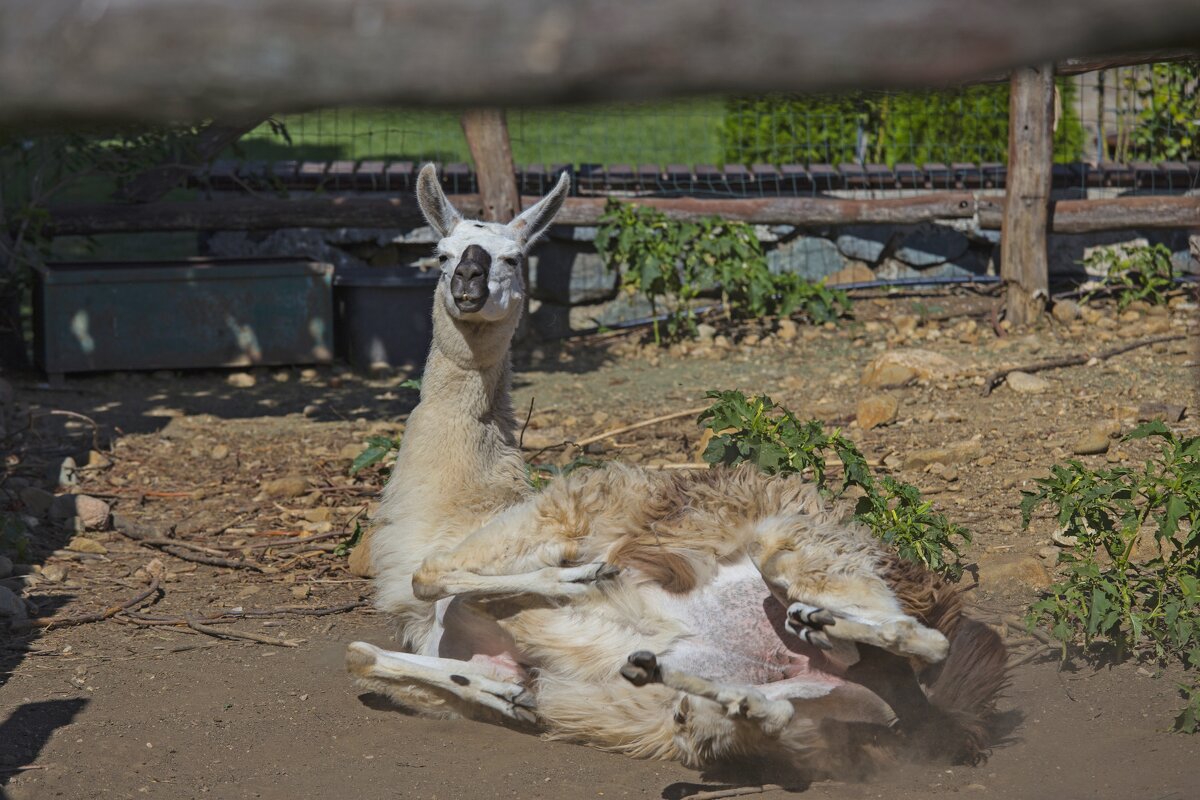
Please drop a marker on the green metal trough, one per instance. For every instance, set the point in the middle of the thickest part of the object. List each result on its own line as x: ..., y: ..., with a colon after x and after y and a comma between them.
x: 182, y: 314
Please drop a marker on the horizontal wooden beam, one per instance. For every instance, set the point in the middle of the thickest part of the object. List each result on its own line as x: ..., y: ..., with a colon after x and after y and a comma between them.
x: 252, y: 213
x: 1118, y: 213
x: 63, y: 60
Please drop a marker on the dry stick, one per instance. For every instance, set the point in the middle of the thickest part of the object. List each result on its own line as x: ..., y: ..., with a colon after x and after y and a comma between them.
x: 254, y: 637
x: 737, y: 791
x: 1032, y: 655
x: 996, y: 377
x: 635, y: 426
x: 146, y: 535
x: 62, y: 622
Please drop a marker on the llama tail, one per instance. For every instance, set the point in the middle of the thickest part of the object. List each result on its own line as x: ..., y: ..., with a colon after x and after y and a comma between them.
x: 963, y: 695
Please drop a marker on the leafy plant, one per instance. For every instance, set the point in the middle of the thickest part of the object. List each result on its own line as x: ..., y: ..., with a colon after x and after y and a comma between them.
x: 380, y: 447
x: 967, y: 124
x: 673, y: 263
x: 1133, y: 272
x: 1167, y: 121
x: 759, y: 431
x: 343, y: 549
x: 1133, y: 570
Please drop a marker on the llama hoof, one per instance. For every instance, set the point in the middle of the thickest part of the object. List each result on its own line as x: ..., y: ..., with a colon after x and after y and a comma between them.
x: 525, y: 700
x: 642, y: 668
x: 591, y: 573
x: 808, y: 622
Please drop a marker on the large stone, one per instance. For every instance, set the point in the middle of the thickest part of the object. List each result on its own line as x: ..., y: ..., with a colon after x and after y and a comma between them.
x: 288, y: 486
x: 12, y: 607
x: 956, y: 453
x: 1025, y: 383
x: 864, y: 242
x: 1002, y: 572
x: 82, y: 544
x: 897, y: 367
x: 91, y: 512
x: 36, y: 501
x: 930, y: 244
x: 808, y: 256
x: 1065, y: 311
x: 876, y: 410
x: 571, y: 274
x: 855, y: 272
x: 6, y: 567
x: 1096, y: 439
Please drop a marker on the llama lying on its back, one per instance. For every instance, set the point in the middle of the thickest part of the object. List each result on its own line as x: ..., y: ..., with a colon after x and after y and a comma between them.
x: 703, y: 617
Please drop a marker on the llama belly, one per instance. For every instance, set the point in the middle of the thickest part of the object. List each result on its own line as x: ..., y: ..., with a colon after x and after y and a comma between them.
x: 738, y: 635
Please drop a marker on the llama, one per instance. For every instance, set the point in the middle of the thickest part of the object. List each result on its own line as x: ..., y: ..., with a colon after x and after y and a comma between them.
x: 706, y: 617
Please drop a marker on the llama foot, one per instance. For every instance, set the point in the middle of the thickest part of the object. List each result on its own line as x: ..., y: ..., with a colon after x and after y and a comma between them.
x: 902, y: 636
x: 392, y: 671
x: 431, y: 584
x: 738, y: 702
x: 808, y: 623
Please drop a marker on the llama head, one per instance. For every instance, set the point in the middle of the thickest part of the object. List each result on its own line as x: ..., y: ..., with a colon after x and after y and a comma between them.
x: 482, y: 262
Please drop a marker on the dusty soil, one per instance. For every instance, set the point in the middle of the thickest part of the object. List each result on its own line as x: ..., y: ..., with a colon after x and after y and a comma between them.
x: 117, y: 709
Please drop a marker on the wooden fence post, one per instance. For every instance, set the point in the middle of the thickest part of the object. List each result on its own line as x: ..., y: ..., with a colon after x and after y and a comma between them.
x: 1023, y: 263
x: 487, y: 136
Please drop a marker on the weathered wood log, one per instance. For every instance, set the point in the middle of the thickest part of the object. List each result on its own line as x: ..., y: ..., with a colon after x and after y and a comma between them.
x: 1024, y: 265
x: 487, y: 137
x: 255, y: 213
x: 1160, y: 212
x: 78, y: 59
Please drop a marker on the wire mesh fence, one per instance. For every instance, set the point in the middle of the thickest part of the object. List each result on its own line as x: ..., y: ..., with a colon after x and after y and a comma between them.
x: 1118, y: 127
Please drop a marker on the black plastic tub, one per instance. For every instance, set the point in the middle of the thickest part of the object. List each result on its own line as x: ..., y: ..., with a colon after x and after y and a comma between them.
x: 383, y: 315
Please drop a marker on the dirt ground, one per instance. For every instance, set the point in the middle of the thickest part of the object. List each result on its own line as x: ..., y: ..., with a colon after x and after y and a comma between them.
x: 140, y: 705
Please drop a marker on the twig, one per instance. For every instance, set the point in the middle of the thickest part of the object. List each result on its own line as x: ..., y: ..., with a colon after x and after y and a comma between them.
x: 735, y: 791
x: 690, y: 412
x: 47, y: 623
x: 149, y: 537
x: 1032, y: 655
x: 998, y: 376
x: 254, y: 637
x: 528, y: 416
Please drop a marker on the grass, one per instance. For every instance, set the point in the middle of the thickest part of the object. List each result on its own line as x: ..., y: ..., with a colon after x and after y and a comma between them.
x: 685, y: 132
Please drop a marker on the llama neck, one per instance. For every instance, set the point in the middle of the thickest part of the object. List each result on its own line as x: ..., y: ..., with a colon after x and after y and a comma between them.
x: 461, y: 439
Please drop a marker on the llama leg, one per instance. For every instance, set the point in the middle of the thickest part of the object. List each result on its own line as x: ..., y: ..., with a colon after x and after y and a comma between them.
x: 512, y: 554
x: 485, y: 684
x: 829, y: 575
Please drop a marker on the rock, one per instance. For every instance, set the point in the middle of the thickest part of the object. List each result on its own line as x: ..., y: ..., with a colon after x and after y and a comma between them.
x: 1092, y: 442
x: 36, y: 501
x: 931, y: 244
x: 301, y: 592
x: 956, y: 453
x: 864, y: 242
x: 359, y: 562
x: 1166, y: 412
x: 1065, y: 311
x: 6, y: 567
x: 999, y: 572
x: 906, y: 324
x: 311, y: 410
x: 750, y: 340
x: 241, y: 380
x: 876, y: 410
x: 287, y: 486
x: 705, y: 332
x: 91, y: 512
x: 219, y: 452
x: 319, y: 514
x: 897, y: 367
x: 787, y: 330
x: 1025, y: 383
x: 82, y: 544
x: 11, y: 606
x: 1156, y: 325
x: 807, y: 256
x: 65, y: 473
x: 856, y: 272
x: 721, y: 342
x: 97, y: 460
x: 54, y: 573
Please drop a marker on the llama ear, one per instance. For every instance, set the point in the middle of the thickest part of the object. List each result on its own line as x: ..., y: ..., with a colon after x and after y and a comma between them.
x: 534, y: 220
x: 434, y: 205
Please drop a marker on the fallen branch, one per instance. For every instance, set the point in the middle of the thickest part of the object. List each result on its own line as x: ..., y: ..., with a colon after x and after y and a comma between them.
x: 254, y: 637
x: 691, y: 412
x: 46, y: 623
x: 997, y: 377
x: 1032, y: 655
x: 736, y: 791
x: 150, y: 537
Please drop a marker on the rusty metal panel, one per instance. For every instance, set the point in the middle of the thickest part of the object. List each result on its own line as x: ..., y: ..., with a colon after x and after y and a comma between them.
x: 182, y: 314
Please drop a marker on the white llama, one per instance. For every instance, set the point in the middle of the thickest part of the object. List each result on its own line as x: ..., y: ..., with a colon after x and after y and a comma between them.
x: 705, y: 617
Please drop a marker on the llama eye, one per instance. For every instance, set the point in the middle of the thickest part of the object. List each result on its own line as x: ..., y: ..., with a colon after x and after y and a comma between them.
x: 442, y: 258
x: 510, y: 260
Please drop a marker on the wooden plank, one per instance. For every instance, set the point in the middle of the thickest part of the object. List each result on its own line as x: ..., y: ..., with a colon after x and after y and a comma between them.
x: 265, y: 213
x: 67, y: 59
x: 487, y: 136
x: 1023, y: 261
x: 1158, y: 212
